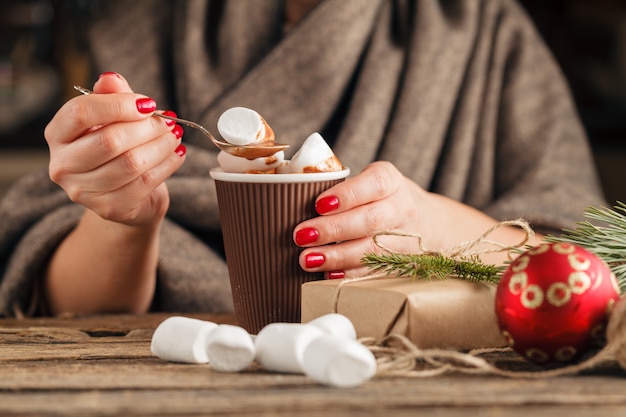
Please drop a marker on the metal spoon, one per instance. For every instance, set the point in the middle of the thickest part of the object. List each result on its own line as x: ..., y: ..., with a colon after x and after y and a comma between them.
x: 252, y: 151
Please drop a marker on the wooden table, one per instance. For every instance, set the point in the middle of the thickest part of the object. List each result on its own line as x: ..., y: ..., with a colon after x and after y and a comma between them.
x: 102, y: 366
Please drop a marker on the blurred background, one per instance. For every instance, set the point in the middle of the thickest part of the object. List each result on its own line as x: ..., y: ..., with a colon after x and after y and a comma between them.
x: 41, y: 58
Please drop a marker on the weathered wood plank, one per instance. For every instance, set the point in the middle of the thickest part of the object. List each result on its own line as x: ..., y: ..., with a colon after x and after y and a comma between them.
x: 156, y: 375
x: 298, y: 401
x: 108, y: 322
x: 82, y: 338
x: 74, y: 351
x: 103, y: 366
x: 110, y: 410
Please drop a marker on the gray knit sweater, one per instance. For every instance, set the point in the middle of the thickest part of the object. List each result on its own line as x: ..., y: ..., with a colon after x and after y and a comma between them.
x: 462, y: 96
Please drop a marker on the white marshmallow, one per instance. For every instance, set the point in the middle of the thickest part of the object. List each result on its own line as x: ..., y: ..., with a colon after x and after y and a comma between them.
x: 182, y: 339
x: 314, y: 156
x: 241, y: 126
x: 283, y: 167
x: 236, y: 164
x: 338, y: 361
x: 230, y: 348
x: 336, y: 325
x: 280, y: 346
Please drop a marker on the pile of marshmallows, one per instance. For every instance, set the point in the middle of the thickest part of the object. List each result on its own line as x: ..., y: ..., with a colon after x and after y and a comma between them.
x: 244, y: 126
x: 325, y: 349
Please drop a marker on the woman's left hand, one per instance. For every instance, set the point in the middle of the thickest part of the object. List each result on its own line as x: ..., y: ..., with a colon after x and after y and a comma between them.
x: 382, y: 199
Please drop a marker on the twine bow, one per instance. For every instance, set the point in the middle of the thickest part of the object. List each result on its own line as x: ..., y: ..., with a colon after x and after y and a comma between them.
x: 465, y: 249
x: 468, y: 248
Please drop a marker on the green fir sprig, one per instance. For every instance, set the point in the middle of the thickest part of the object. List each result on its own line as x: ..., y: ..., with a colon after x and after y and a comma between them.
x: 432, y: 266
x: 606, y: 240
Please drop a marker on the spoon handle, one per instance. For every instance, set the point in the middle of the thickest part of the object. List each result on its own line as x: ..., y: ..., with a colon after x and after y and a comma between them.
x: 86, y: 91
x: 188, y: 123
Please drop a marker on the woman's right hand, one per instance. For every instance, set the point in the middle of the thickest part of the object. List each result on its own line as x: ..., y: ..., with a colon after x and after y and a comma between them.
x: 111, y: 155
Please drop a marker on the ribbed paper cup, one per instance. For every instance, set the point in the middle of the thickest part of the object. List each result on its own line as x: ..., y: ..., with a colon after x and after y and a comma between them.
x: 258, y: 213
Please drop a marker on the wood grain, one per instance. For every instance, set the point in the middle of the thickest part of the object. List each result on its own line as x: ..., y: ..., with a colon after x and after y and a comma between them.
x: 102, y: 366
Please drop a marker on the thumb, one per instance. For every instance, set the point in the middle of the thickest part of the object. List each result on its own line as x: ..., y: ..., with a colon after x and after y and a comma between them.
x: 111, y: 82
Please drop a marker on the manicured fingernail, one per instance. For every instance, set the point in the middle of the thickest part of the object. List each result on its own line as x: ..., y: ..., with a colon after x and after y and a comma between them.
x: 146, y: 105
x: 314, y: 260
x: 306, y: 236
x: 327, y: 204
x: 181, y: 150
x: 169, y: 113
x: 177, y: 130
x: 336, y: 275
x: 105, y: 74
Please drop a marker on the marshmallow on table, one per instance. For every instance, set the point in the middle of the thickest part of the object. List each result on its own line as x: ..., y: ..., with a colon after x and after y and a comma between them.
x: 182, y: 339
x: 230, y: 348
x: 335, y: 324
x: 243, y: 126
x: 236, y: 164
x: 313, y: 156
x: 324, y: 349
x: 338, y: 361
x: 280, y: 346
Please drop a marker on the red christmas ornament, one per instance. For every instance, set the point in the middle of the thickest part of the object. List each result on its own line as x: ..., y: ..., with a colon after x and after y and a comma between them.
x: 553, y: 302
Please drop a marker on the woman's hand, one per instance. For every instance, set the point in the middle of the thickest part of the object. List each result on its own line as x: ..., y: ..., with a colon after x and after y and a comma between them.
x: 382, y: 199
x: 110, y: 155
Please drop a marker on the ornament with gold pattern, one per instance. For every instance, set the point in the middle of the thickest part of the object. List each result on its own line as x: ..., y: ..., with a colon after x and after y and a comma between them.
x: 553, y: 302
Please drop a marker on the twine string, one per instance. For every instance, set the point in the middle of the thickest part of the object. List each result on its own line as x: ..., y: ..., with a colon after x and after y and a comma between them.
x: 396, y: 355
x: 464, y: 249
x: 467, y: 248
x: 616, y: 331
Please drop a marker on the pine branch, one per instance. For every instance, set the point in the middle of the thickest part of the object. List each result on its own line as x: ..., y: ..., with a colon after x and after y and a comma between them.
x: 607, y: 241
x: 432, y: 266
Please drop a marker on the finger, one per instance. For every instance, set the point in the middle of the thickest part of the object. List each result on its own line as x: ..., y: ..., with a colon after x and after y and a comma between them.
x: 377, y: 181
x: 356, y: 223
x: 111, y: 82
x: 124, y: 204
x: 342, y: 256
x: 106, y: 143
x: 125, y: 168
x: 359, y: 272
x: 82, y: 113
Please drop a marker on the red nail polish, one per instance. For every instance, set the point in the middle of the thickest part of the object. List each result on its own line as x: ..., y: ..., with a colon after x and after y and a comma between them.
x: 177, y: 130
x: 169, y: 113
x: 111, y: 73
x: 327, y: 204
x: 336, y: 275
x: 181, y: 150
x: 306, y: 236
x: 314, y: 260
x: 146, y: 105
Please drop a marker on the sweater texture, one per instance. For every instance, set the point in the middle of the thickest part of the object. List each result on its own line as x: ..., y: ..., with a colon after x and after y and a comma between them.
x: 463, y: 97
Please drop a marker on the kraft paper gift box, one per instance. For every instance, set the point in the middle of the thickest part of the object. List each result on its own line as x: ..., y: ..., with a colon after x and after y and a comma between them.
x: 446, y: 314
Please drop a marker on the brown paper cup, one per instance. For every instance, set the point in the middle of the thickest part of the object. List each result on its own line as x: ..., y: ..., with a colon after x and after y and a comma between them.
x: 258, y: 213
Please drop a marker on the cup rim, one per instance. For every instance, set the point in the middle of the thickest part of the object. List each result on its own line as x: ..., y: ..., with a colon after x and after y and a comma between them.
x: 220, y: 175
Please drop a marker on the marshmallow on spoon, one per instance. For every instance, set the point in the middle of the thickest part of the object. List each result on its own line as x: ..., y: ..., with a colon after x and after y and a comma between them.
x: 335, y: 324
x: 280, y: 346
x: 182, y: 339
x: 230, y: 348
x: 235, y: 164
x: 243, y: 126
x: 338, y: 361
x: 314, y: 156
